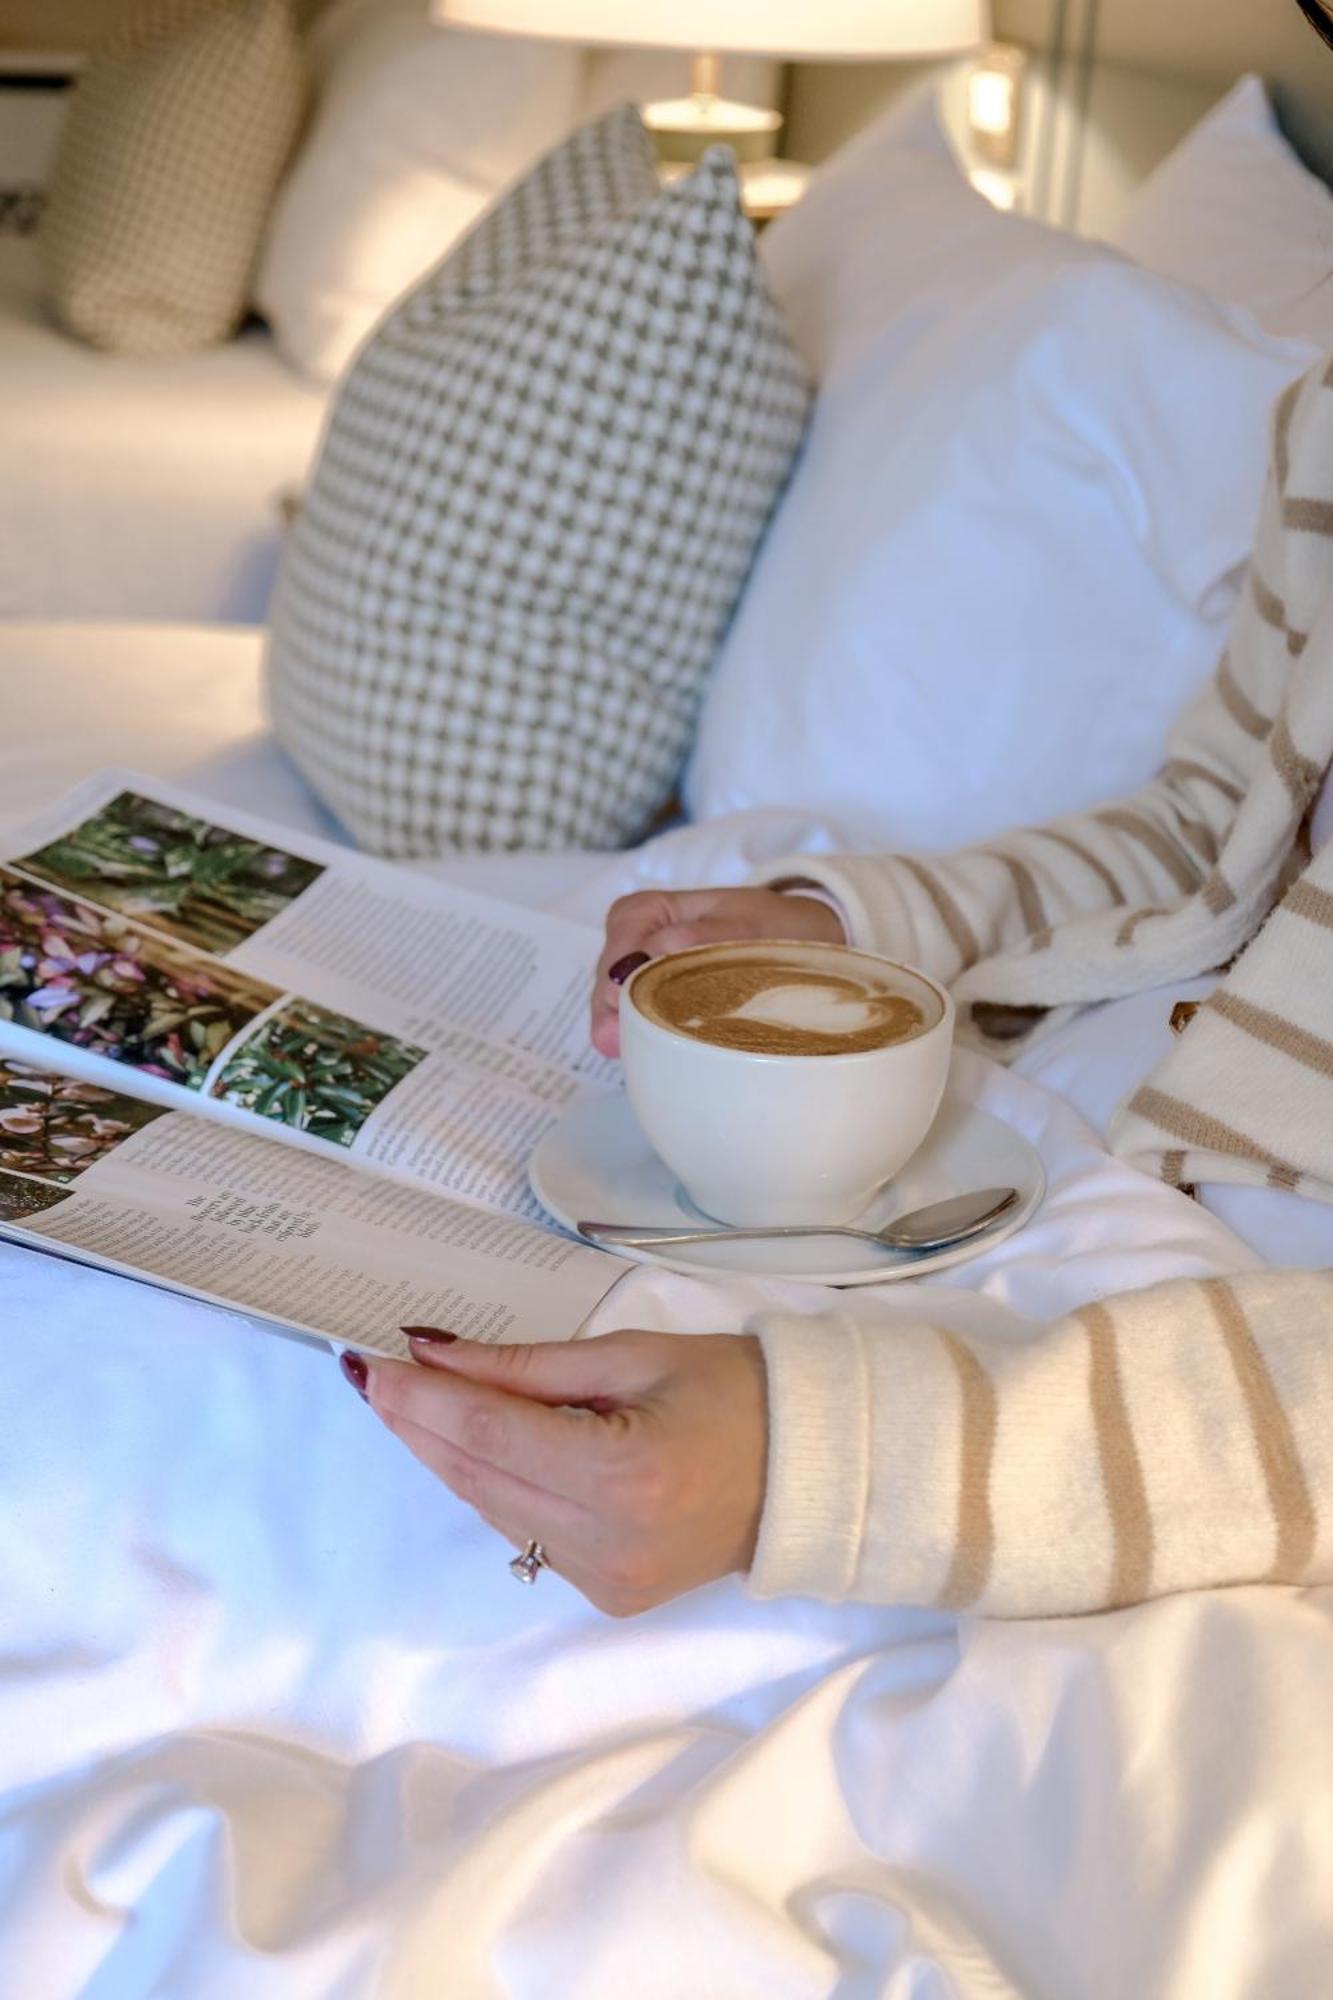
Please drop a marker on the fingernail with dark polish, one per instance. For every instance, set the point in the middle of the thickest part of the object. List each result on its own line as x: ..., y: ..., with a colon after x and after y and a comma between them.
x: 621, y: 970
x: 433, y: 1336
x: 354, y: 1368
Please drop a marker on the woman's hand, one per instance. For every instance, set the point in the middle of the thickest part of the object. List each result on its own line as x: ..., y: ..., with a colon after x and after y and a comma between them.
x: 656, y: 921
x: 636, y: 1459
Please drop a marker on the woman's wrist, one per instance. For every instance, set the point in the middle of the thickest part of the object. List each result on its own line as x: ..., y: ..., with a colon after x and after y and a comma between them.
x: 798, y: 889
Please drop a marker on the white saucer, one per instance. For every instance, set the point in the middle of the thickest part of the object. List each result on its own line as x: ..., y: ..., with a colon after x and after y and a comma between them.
x: 595, y: 1164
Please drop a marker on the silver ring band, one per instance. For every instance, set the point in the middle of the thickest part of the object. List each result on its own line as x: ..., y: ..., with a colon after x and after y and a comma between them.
x: 526, y: 1566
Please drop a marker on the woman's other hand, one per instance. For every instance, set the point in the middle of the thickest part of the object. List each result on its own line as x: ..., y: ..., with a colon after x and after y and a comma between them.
x: 636, y: 1459
x: 656, y: 921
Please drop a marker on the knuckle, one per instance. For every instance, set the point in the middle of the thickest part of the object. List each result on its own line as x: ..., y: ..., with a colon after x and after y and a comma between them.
x: 481, y: 1430
x: 510, y: 1358
x: 677, y: 937
x: 630, y: 910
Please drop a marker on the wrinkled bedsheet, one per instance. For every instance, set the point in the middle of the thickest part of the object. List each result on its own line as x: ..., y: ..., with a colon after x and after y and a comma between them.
x: 275, y: 1722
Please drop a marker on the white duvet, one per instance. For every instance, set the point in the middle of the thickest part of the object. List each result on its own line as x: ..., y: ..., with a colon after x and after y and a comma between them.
x: 275, y: 1722
x: 140, y: 489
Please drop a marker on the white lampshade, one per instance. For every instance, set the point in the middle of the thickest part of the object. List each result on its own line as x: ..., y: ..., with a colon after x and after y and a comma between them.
x: 795, y: 29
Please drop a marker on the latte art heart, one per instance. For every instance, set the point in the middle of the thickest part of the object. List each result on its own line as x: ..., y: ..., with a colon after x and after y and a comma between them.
x: 776, y: 1000
x: 814, y: 1009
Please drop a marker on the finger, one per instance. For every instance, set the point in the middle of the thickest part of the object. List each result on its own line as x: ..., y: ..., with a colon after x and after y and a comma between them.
x: 512, y: 1505
x: 579, y: 1546
x: 636, y: 917
x: 562, y: 1449
x: 629, y: 920
x: 604, y: 1030
x: 677, y: 936
x: 604, y: 1024
x: 635, y: 926
x: 723, y: 927
x: 605, y: 1372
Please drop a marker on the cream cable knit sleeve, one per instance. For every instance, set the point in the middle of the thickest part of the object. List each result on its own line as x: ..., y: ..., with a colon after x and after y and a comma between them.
x: 1170, y: 1439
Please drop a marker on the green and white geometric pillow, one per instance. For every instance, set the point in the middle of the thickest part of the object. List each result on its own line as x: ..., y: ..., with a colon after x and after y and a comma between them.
x: 542, y: 485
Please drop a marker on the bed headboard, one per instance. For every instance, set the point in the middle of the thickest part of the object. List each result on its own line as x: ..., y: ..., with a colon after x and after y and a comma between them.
x: 1116, y: 83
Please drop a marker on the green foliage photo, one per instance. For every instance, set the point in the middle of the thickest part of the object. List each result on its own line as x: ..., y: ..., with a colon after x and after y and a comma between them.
x: 315, y: 1071
x: 167, y: 869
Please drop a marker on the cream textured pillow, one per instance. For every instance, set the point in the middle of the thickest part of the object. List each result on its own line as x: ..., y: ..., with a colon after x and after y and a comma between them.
x: 541, y: 488
x: 171, y: 152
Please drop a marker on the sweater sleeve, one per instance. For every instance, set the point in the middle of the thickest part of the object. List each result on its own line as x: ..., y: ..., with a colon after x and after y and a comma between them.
x: 1148, y: 852
x: 948, y: 913
x: 1175, y: 1438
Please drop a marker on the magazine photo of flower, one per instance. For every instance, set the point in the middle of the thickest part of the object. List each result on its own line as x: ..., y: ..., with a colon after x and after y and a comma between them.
x: 315, y: 1071
x: 20, y: 1198
x: 56, y: 1126
x: 91, y: 979
x: 174, y: 872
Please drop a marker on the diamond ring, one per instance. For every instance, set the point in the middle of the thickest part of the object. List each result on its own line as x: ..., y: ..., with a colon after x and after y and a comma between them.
x: 526, y: 1566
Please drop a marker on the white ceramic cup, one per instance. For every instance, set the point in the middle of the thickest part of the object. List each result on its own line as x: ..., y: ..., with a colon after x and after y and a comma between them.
x: 787, y: 1139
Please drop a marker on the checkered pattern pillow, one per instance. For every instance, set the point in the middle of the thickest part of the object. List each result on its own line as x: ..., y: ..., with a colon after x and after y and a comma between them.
x: 541, y: 488
x: 169, y: 159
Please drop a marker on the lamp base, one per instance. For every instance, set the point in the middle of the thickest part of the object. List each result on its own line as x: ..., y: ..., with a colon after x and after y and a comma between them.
x: 768, y: 187
x: 683, y: 128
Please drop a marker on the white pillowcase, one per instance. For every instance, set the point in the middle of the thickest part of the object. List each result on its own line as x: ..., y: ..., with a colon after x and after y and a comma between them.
x: 418, y: 129
x: 1009, y: 550
x: 1233, y: 211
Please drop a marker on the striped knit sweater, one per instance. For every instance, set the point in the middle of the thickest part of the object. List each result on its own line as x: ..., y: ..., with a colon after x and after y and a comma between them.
x: 1178, y: 879
x: 1167, y: 1439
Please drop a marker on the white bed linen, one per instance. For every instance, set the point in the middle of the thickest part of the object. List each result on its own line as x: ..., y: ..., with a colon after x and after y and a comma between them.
x: 1099, y: 1057
x: 140, y: 489
x: 274, y: 1720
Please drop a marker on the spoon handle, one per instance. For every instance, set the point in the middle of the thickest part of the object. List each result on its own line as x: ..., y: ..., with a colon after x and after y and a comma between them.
x: 644, y: 1239
x: 937, y: 1226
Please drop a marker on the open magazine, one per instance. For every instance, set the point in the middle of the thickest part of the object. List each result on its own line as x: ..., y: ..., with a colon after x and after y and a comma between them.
x: 283, y: 1077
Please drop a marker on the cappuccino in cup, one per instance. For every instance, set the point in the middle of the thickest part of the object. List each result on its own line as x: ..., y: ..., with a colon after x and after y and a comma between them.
x: 784, y: 1083
x: 782, y: 1001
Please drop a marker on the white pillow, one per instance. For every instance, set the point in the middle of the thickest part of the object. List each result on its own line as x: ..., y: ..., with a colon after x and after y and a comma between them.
x: 1233, y: 211
x: 418, y: 129
x: 1008, y: 552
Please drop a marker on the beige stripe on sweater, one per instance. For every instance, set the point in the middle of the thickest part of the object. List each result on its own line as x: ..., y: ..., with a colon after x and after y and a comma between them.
x: 1182, y: 1436
x: 1177, y: 880
x: 1168, y: 1439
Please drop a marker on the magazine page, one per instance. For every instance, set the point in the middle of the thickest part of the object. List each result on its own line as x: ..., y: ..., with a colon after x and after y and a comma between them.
x: 238, y: 1220
x: 353, y: 1005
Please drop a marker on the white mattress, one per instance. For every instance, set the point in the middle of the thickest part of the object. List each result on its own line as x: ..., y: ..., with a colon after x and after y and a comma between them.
x: 136, y: 489
x: 275, y: 1721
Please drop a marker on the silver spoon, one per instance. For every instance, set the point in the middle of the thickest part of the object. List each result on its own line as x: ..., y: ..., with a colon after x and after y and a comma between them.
x: 935, y: 1227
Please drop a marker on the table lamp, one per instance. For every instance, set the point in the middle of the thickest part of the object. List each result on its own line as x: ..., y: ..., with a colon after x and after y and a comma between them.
x: 811, y: 30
